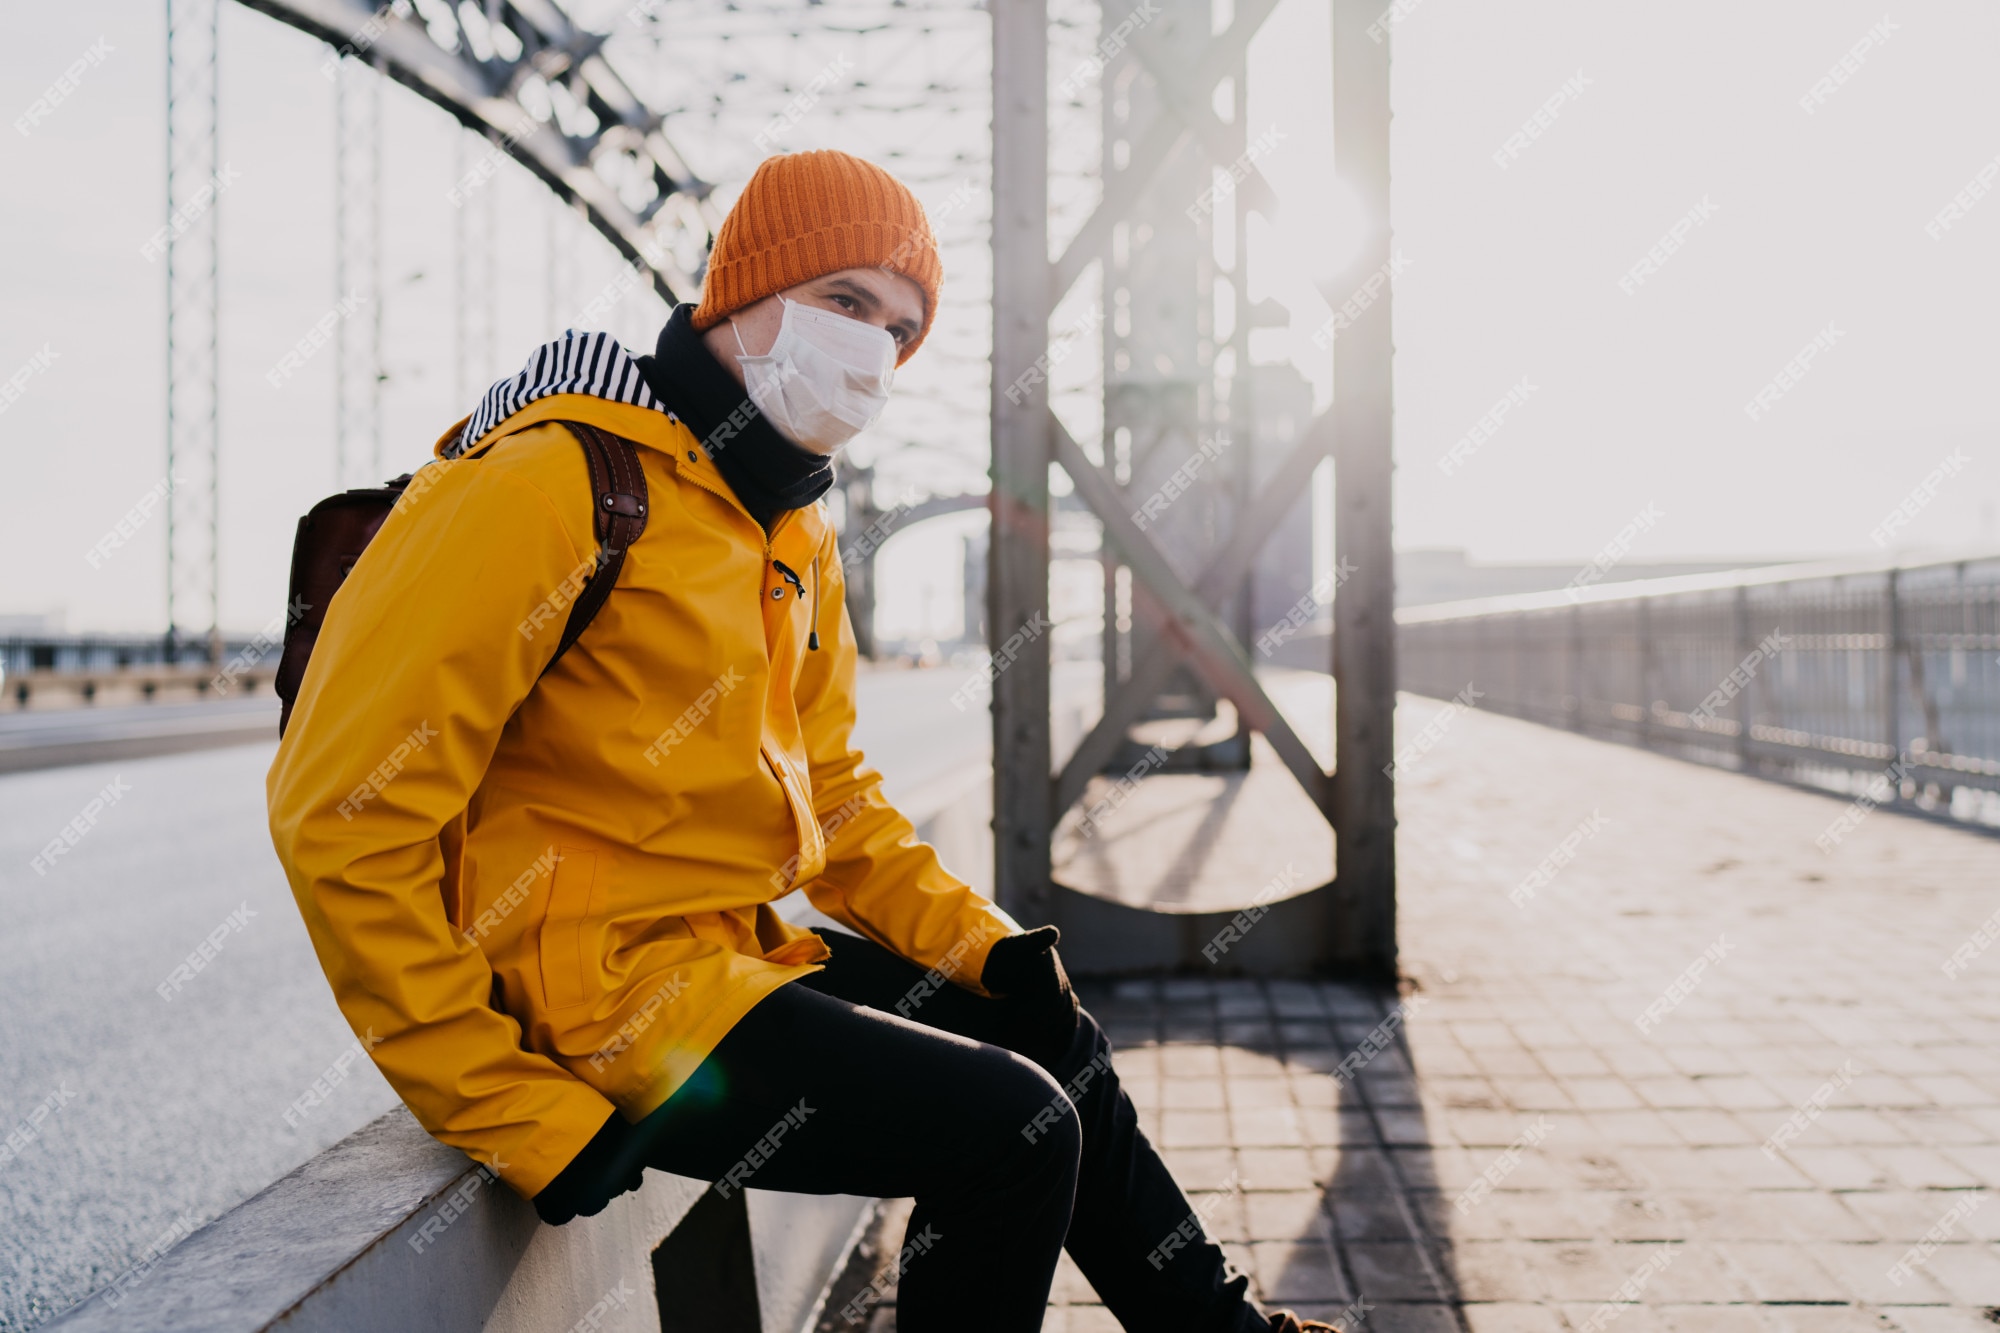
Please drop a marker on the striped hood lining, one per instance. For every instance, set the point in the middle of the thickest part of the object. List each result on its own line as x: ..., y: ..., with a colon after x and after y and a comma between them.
x: 587, y: 363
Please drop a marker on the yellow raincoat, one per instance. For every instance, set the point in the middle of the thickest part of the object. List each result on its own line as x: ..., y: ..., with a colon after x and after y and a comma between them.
x: 543, y: 900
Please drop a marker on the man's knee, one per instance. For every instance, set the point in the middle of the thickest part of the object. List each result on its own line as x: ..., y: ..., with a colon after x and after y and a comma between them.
x: 1025, y: 1113
x: 1050, y: 1142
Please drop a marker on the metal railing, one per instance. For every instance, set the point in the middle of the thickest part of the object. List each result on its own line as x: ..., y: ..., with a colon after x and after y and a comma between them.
x: 87, y: 667
x: 107, y: 652
x: 1844, y: 675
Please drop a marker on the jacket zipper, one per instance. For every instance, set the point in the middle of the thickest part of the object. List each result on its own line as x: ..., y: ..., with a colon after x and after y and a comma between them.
x: 728, y: 496
x: 770, y: 559
x: 770, y: 556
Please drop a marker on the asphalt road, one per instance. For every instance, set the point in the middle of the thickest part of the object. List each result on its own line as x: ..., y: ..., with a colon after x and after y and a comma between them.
x: 129, y: 731
x: 152, y: 1109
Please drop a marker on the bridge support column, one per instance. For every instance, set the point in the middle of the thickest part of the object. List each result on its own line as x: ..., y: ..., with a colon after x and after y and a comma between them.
x: 1190, y: 637
x: 1018, y: 563
x: 1363, y: 921
x: 191, y: 246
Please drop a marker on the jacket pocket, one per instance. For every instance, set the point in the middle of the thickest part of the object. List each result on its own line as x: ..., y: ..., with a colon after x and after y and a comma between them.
x: 574, y: 904
x: 810, y: 861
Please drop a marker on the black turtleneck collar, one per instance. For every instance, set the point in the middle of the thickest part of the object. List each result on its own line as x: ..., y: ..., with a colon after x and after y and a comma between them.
x: 768, y: 472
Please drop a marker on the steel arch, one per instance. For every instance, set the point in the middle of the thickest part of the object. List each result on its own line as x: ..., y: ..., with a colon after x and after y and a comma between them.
x: 605, y: 150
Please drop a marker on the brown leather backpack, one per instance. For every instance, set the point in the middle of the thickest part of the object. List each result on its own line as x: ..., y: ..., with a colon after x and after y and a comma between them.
x: 335, y: 531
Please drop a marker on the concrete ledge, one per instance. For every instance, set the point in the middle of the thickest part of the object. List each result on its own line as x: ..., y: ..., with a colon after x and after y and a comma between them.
x: 390, y: 1229
x: 801, y: 1242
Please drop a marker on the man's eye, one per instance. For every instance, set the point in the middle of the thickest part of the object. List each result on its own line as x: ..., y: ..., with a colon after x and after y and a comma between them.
x: 846, y: 302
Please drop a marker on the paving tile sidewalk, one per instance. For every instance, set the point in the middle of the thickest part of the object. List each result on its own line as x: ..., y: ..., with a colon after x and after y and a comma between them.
x: 1522, y: 1155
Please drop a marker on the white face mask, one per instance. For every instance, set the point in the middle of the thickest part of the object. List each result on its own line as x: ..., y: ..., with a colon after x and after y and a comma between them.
x: 825, y: 379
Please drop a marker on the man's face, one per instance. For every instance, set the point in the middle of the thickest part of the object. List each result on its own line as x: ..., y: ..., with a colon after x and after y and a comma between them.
x: 872, y: 295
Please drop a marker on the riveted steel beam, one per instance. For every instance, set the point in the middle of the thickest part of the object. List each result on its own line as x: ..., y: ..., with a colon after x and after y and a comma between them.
x: 540, y: 90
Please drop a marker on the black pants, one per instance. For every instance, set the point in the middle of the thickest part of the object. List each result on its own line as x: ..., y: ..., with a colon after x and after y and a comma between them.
x: 824, y: 1088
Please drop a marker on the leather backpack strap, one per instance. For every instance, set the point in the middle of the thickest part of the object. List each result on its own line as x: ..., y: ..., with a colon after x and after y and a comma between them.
x: 618, y: 504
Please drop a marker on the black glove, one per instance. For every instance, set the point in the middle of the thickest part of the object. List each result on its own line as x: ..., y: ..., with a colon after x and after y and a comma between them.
x: 1025, y: 972
x: 607, y: 1167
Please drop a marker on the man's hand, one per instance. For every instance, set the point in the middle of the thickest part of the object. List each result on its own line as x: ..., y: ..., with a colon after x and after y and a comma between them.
x: 607, y: 1167
x: 1027, y: 975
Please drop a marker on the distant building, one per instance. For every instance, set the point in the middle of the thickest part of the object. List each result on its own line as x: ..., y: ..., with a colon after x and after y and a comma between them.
x: 974, y: 631
x: 30, y: 624
x: 1428, y: 576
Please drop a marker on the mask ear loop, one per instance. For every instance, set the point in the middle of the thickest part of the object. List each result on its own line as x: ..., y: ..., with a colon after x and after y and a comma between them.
x: 788, y: 303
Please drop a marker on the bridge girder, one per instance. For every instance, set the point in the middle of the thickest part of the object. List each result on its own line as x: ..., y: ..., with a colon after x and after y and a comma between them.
x: 544, y: 94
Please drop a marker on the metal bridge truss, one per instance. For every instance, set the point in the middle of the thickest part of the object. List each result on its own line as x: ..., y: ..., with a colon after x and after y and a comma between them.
x: 357, y: 273
x: 540, y: 90
x: 521, y: 75
x: 1187, y: 622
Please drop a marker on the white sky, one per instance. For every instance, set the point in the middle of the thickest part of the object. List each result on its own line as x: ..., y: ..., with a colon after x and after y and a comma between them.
x: 1819, y: 219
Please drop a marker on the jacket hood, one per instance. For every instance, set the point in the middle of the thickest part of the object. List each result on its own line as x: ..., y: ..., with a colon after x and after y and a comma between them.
x: 593, y: 364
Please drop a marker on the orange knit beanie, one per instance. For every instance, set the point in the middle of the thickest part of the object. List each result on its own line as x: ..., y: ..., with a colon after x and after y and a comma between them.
x: 804, y: 215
